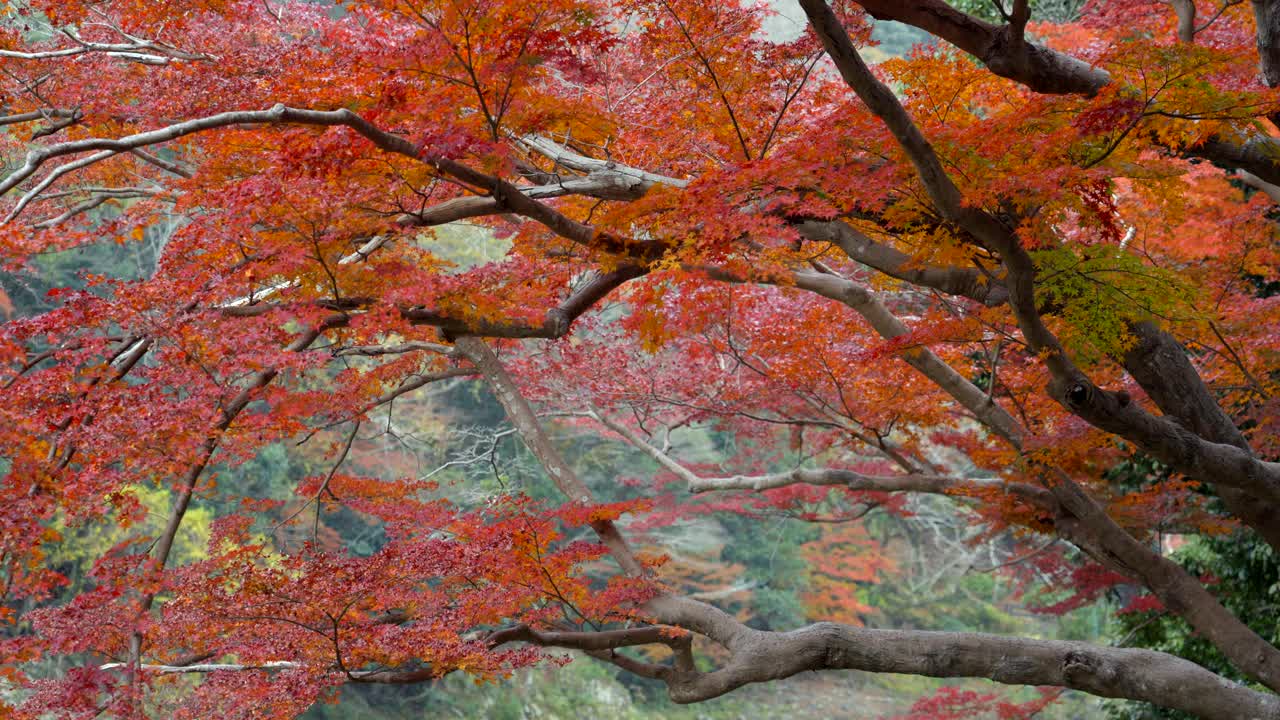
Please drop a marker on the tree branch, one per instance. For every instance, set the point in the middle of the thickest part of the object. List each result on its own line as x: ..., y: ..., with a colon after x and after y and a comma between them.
x: 1164, y: 439
x: 918, y: 483
x: 965, y: 282
x: 762, y: 656
x: 535, y: 437
x: 1003, y: 50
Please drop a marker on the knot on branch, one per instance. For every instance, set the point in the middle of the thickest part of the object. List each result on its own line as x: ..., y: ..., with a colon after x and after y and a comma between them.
x: 1077, y: 395
x: 1077, y: 667
x: 557, y: 322
x: 1083, y: 397
x: 1084, y: 670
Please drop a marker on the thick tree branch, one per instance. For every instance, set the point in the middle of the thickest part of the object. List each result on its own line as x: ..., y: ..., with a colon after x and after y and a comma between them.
x: 965, y: 282
x: 596, y: 640
x: 535, y: 437
x: 1266, y: 14
x: 1167, y: 441
x: 762, y: 656
x: 1004, y: 50
x: 1160, y: 365
x: 1007, y: 54
x: 1258, y: 156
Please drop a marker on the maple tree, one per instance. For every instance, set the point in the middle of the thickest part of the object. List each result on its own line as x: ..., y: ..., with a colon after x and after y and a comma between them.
x: 993, y: 270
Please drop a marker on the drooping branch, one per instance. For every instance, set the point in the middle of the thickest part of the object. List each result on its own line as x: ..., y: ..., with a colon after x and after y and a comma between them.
x: 916, y: 483
x: 530, y: 429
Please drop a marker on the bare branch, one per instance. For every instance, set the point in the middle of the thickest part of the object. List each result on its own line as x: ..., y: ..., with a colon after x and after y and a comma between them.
x: 563, y: 156
x: 919, y: 483
x: 42, y: 114
x: 398, y: 349
x: 762, y: 656
x: 1003, y: 50
x: 535, y: 437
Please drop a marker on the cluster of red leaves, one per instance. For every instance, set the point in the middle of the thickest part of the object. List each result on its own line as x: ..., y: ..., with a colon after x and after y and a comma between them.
x: 423, y: 602
x: 950, y: 703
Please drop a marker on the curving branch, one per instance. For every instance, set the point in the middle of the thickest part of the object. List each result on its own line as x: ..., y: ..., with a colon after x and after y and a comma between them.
x: 564, y: 157
x: 139, y: 50
x: 1257, y: 156
x: 530, y: 429
x: 1007, y: 54
x: 507, y: 196
x: 917, y: 483
x: 762, y: 656
x: 1160, y: 365
x: 1186, y: 452
x: 964, y: 282
x: 1003, y: 49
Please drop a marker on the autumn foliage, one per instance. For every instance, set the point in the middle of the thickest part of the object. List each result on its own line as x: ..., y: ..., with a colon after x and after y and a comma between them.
x: 1007, y: 269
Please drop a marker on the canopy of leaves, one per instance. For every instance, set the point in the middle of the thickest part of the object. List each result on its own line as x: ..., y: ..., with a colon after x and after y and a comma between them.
x: 742, y: 298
